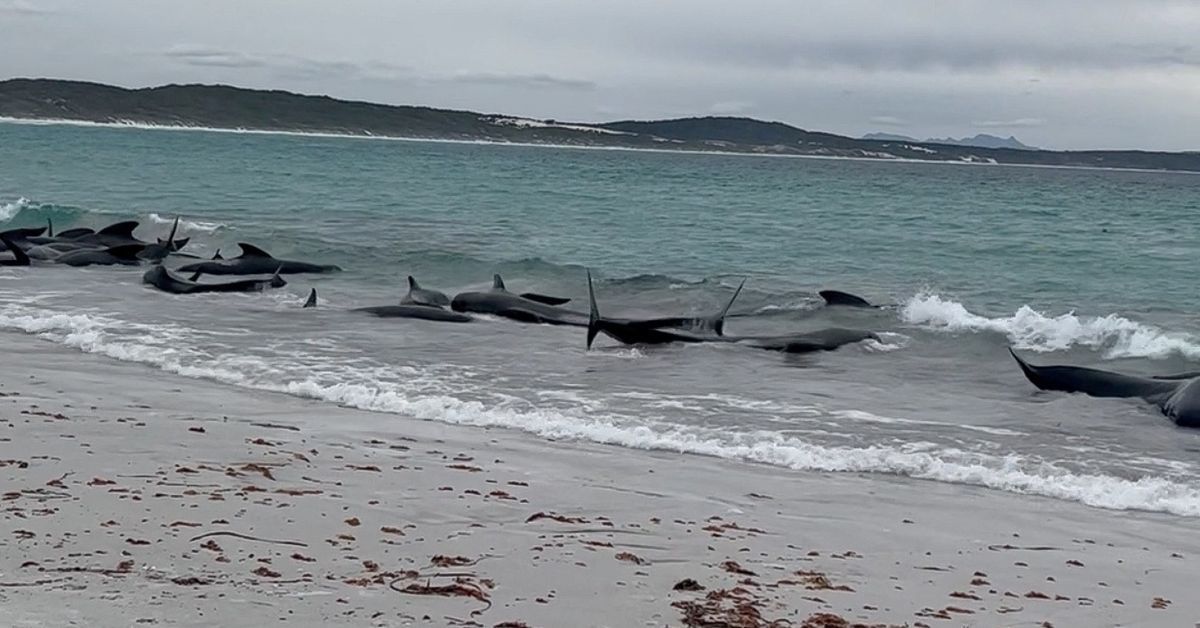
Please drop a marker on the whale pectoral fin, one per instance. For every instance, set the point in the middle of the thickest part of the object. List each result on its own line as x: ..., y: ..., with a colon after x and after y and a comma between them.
x: 1177, y: 376
x: 542, y: 298
x: 196, y: 276
x: 716, y: 323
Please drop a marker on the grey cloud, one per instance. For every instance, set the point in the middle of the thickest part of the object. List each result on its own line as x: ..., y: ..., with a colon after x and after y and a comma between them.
x: 731, y: 106
x: 534, y: 81
x: 23, y: 8
x: 1110, y: 73
x: 889, y: 120
x: 202, y: 56
x: 1011, y: 124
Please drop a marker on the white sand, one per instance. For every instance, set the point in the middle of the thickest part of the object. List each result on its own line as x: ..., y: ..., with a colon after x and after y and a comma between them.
x: 108, y: 470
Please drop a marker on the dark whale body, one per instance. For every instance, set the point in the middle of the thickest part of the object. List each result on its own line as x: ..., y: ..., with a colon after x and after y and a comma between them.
x: 255, y: 261
x: 161, y: 278
x: 1178, y: 397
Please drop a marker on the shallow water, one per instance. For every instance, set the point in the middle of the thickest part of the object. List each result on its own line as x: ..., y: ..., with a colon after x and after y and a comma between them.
x: 1073, y: 266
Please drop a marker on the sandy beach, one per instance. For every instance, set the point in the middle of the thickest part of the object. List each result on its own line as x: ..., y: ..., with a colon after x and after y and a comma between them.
x: 134, y: 497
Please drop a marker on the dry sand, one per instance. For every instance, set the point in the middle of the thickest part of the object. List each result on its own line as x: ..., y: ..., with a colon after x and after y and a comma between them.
x: 134, y: 497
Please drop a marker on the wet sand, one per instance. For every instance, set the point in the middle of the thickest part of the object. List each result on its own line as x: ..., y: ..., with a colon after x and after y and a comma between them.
x: 135, y: 497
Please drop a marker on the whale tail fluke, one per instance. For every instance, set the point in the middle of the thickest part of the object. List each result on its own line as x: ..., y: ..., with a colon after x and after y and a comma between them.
x: 19, y: 256
x: 593, y: 313
x: 312, y: 299
x: 217, y: 255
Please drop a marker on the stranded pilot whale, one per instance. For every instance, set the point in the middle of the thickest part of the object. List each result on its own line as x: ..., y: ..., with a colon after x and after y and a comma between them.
x: 161, y: 278
x: 631, y: 332
x: 536, y: 308
x: 1176, y: 396
x: 424, y: 312
x: 255, y: 261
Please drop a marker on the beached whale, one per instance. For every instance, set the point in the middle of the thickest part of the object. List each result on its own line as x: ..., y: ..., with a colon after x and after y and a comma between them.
x: 161, y: 278
x: 537, y: 308
x: 636, y: 332
x: 125, y: 254
x: 1177, y: 396
x: 255, y: 261
x: 500, y: 302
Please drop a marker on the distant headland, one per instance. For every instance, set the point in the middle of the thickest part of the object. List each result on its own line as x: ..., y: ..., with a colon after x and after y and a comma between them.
x: 234, y: 108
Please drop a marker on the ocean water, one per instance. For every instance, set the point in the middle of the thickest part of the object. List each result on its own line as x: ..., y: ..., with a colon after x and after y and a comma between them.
x: 1072, y: 266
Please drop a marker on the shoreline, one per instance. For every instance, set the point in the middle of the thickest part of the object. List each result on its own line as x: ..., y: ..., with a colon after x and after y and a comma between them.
x: 115, y: 472
x: 132, y: 125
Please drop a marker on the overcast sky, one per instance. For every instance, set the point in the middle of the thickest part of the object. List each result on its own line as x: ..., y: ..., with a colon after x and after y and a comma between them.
x: 1058, y: 74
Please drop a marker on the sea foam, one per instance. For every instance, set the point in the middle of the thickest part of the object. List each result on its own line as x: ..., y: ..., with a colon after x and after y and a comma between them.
x: 434, y: 396
x: 1029, y: 329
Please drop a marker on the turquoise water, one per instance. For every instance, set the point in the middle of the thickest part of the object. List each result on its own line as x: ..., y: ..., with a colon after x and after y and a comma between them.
x: 1081, y: 266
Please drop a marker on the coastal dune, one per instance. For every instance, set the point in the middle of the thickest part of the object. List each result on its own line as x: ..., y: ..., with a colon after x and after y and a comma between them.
x: 135, y: 497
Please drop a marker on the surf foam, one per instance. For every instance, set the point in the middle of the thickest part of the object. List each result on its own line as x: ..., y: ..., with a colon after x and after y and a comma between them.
x: 424, y: 395
x: 8, y: 211
x: 189, y: 225
x: 1029, y: 329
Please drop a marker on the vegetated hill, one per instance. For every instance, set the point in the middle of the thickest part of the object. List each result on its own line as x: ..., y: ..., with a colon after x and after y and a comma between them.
x: 222, y: 106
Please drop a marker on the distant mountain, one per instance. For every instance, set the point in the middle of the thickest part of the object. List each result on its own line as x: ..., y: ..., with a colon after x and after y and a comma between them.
x: 890, y: 137
x: 225, y: 107
x: 982, y: 140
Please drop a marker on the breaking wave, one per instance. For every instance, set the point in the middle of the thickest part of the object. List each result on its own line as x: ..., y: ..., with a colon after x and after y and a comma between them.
x: 1029, y: 329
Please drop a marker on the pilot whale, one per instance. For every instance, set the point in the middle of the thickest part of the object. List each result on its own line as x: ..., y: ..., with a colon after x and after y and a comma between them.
x: 255, y: 261
x: 161, y: 278
x: 635, y: 332
x: 1177, y: 396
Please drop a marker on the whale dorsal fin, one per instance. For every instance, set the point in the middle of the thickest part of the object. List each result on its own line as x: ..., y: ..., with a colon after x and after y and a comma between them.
x: 120, y: 229
x: 49, y: 227
x: 837, y: 297
x: 312, y: 299
x: 412, y: 283
x: 498, y: 282
x: 249, y: 250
